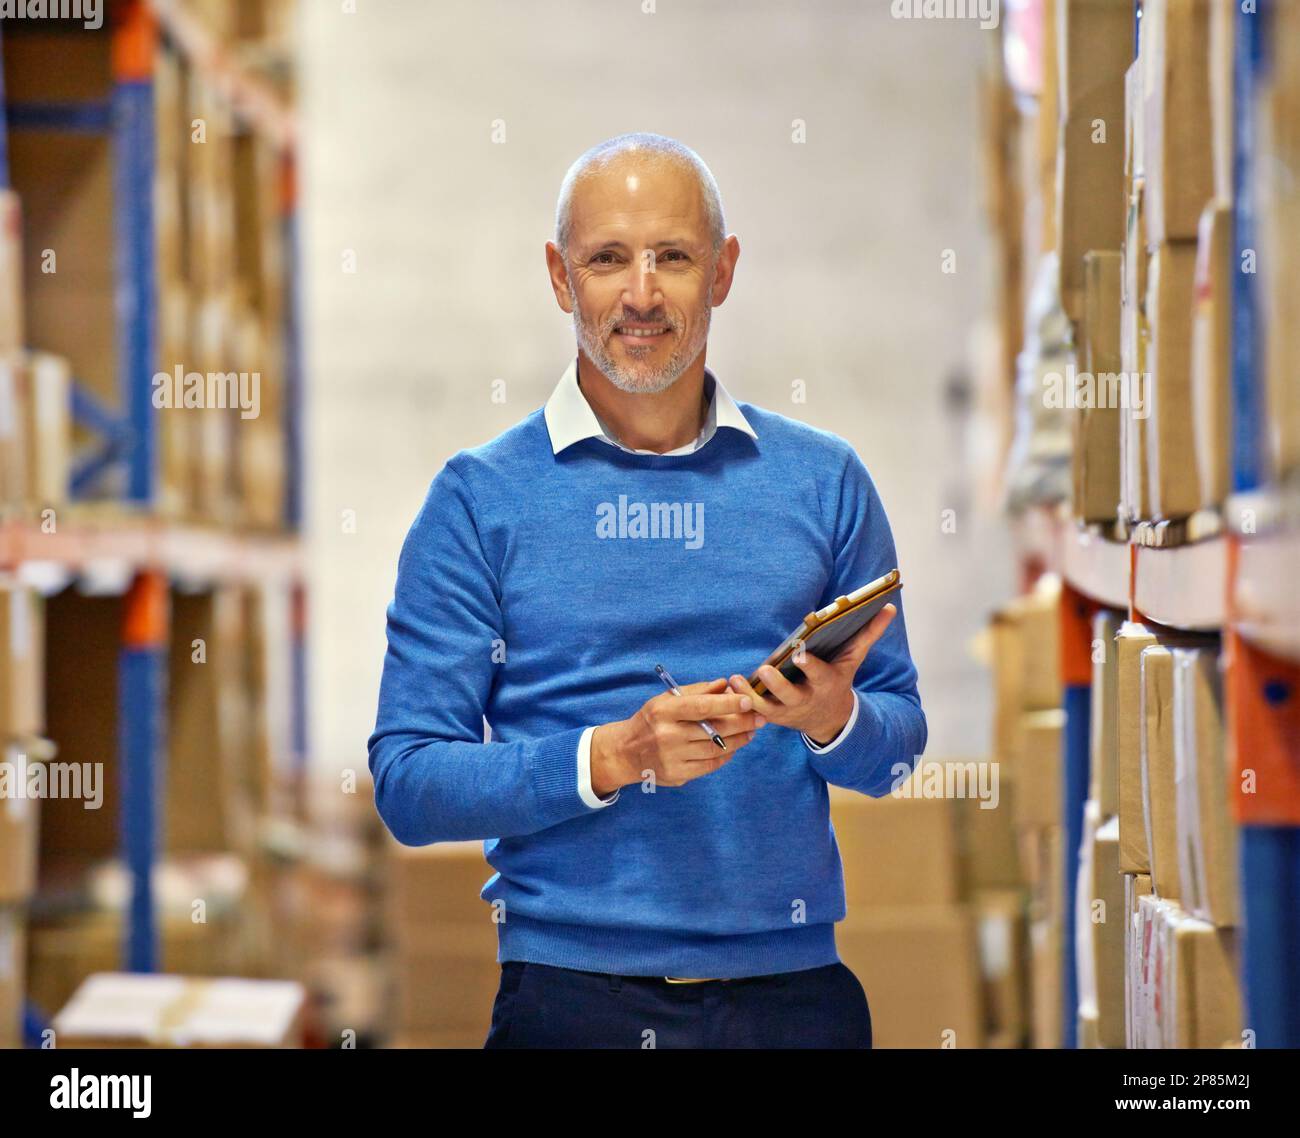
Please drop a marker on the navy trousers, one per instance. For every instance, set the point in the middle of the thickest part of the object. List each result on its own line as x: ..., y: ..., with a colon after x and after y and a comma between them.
x: 539, y: 1005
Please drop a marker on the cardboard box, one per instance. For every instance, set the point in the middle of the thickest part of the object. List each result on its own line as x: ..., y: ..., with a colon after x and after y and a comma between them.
x: 1207, y: 832
x: 1106, y: 924
x: 1096, y: 452
x: 126, y: 1009
x: 19, y: 827
x: 1223, y: 46
x: 1130, y: 641
x: 13, y: 960
x: 65, y: 182
x: 1136, y: 886
x: 13, y: 440
x: 1132, y: 638
x: 1179, y: 142
x: 1046, y: 998
x: 1212, y: 356
x: 1096, y: 49
x: 1208, y: 1011
x: 1039, y: 770
x: 897, y: 851
x: 1038, y: 616
x: 452, y: 985
x: 22, y: 703
x: 1173, y: 484
x: 11, y: 273
x: 1090, y: 176
x: 919, y: 966
x: 1103, y: 739
x: 1135, y: 333
x: 1186, y: 988
x: 990, y: 859
x: 1041, y: 177
x: 47, y: 423
x: 1159, y: 791
x: 437, y: 884
x: 1134, y: 130
x: 1003, y: 939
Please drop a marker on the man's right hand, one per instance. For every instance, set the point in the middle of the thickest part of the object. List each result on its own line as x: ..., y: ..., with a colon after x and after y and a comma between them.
x: 665, y: 738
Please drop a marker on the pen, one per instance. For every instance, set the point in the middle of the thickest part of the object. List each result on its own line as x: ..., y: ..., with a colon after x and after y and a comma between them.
x: 671, y: 685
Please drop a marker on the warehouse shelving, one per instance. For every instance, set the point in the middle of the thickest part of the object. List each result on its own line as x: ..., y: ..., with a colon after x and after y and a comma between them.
x: 129, y: 544
x: 1227, y: 575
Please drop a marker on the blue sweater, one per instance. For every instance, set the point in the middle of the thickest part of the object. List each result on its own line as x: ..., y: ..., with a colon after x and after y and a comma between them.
x: 524, y: 596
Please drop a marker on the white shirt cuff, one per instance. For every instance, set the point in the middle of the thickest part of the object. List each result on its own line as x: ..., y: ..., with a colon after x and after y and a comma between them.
x: 853, y: 718
x: 584, y: 775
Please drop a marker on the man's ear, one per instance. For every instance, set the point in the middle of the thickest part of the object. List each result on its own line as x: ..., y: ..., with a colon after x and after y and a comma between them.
x: 724, y: 272
x: 559, y: 277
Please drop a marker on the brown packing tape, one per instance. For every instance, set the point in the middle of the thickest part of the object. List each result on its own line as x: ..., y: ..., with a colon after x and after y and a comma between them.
x: 173, y: 1018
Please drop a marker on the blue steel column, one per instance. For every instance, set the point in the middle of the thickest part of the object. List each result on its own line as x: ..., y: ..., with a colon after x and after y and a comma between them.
x: 133, y: 175
x: 142, y: 693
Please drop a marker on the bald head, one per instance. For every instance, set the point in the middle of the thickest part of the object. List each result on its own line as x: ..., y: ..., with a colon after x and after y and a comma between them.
x: 631, y: 154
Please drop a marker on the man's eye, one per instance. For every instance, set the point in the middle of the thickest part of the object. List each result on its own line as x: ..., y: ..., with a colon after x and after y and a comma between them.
x: 672, y: 254
x: 603, y: 259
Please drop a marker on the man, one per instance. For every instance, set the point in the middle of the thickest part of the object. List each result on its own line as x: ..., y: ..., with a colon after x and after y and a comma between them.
x: 652, y: 888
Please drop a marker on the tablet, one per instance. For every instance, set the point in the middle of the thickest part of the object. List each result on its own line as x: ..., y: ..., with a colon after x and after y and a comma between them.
x: 826, y: 631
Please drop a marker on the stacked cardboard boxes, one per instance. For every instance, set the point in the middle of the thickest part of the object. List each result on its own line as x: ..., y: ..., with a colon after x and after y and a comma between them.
x: 1157, y: 899
x: 121, y: 1009
x: 1029, y: 722
x: 21, y: 751
x: 1095, y: 39
x: 913, y: 927
x: 444, y: 958
x: 1178, y: 155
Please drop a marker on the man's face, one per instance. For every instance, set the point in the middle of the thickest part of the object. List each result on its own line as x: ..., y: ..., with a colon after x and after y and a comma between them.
x: 641, y: 268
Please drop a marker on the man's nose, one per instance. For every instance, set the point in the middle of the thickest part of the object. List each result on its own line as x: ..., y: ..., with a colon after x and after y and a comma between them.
x: 641, y: 290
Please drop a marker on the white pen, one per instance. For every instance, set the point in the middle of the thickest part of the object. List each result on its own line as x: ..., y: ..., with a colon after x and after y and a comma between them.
x: 671, y: 684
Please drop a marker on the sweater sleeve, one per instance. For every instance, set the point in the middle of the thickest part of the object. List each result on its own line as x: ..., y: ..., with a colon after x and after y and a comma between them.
x: 435, y: 778
x: 890, y: 728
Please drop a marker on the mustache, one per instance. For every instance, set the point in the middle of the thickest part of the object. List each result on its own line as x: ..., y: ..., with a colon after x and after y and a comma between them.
x: 627, y: 317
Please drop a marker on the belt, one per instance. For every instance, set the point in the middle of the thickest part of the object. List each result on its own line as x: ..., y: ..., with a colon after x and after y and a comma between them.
x: 696, y: 980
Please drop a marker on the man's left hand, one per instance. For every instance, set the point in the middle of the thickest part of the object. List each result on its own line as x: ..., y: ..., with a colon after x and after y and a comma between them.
x: 822, y: 704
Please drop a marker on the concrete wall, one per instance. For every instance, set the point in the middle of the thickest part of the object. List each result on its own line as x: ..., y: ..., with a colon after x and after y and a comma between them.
x: 840, y: 281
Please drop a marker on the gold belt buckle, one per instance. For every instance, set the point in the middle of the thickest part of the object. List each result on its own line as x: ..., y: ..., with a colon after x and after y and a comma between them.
x: 690, y: 980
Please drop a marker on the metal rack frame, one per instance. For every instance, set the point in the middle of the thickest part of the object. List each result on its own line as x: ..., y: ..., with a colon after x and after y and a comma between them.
x: 128, y: 439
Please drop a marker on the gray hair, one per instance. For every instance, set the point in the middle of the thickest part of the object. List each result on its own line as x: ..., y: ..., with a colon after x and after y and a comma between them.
x: 658, y: 149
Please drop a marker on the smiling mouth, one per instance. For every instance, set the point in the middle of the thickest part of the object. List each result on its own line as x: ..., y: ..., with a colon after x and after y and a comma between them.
x: 641, y: 333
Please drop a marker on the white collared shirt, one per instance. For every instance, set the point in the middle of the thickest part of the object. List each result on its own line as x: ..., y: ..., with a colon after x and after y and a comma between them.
x: 570, y: 419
